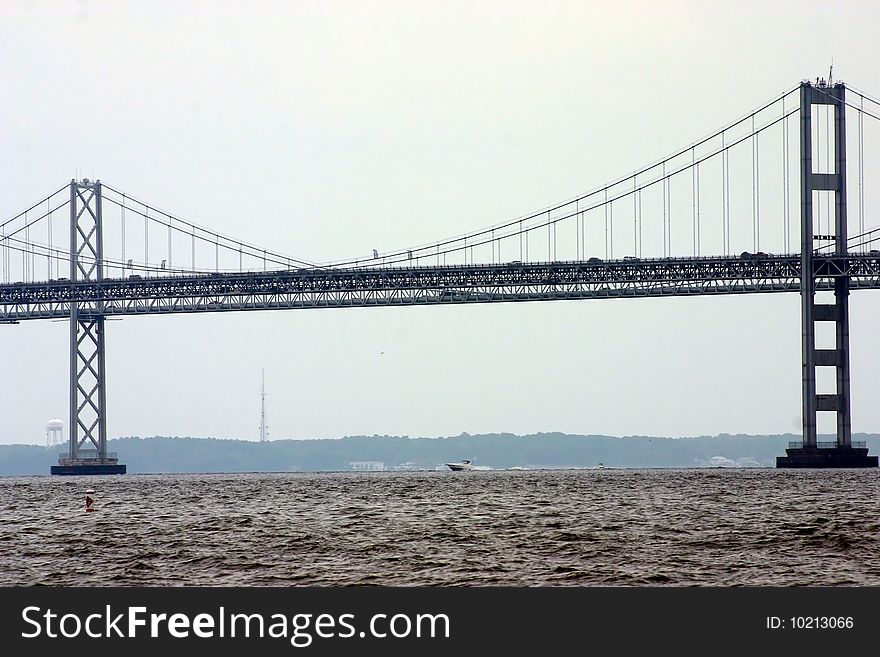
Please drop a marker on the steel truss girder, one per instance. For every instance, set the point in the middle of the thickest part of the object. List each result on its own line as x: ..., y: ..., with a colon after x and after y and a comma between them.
x: 431, y: 286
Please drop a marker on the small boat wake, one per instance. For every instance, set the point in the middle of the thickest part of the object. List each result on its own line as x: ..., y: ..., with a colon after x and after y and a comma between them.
x: 465, y: 464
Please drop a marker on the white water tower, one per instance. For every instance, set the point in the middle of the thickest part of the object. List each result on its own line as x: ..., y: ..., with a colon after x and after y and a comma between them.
x: 54, y: 433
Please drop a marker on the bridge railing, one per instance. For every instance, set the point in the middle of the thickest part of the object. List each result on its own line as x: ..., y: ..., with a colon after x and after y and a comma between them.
x: 856, y: 444
x: 90, y: 455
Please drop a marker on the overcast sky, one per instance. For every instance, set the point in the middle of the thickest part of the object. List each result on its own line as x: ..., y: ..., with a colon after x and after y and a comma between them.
x: 326, y: 129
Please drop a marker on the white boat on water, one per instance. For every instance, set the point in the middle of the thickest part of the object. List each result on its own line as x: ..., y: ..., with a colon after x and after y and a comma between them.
x: 461, y: 465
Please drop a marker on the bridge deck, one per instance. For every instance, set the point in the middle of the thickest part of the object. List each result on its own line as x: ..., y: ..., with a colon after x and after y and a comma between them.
x: 401, y: 286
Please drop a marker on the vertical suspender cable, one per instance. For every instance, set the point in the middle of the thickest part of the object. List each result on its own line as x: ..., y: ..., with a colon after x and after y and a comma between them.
x: 862, y: 168
x: 611, y: 227
x: 694, y: 200
x: 193, y: 248
x: 583, y: 237
x: 699, y: 246
x: 786, y: 218
x: 26, y: 252
x: 757, y: 193
x: 549, y: 238
x: 29, y: 248
x: 754, y: 213
x: 663, y: 186
x: 723, y: 196
x: 639, y: 193
x: 727, y: 182
x: 635, y: 221
x: 146, y: 235
x: 669, y: 213
x: 520, y: 241
x: 727, y: 198
x: 122, y: 223
x: 605, y: 208
x: 49, y: 250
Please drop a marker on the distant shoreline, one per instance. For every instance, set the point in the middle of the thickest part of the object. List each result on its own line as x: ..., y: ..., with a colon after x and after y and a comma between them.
x: 543, y: 451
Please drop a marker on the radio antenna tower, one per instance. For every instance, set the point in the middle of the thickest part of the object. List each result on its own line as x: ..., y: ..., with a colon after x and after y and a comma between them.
x: 264, y: 428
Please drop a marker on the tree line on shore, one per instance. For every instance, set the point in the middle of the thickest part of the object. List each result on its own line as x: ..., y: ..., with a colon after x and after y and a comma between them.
x: 544, y: 450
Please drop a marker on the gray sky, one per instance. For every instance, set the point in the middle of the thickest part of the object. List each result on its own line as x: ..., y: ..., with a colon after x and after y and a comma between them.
x: 326, y: 129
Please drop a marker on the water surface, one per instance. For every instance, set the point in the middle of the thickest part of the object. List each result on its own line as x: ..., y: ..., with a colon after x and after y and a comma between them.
x: 534, y: 528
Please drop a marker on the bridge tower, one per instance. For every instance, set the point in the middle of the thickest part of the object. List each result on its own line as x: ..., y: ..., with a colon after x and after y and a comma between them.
x: 88, y: 402
x: 811, y: 453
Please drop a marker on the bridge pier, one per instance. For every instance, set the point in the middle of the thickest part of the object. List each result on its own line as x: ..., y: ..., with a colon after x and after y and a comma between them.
x: 810, y: 453
x: 88, y: 400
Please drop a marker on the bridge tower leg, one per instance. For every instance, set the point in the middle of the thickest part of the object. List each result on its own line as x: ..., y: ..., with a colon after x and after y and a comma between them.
x: 812, y: 453
x: 87, y: 444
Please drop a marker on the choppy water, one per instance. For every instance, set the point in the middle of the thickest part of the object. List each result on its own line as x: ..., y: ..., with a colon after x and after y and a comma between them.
x: 597, y: 527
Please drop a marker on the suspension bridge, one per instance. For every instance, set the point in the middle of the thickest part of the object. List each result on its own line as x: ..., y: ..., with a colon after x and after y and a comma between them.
x: 758, y: 206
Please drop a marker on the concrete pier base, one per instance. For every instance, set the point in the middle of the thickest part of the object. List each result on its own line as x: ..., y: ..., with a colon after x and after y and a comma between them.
x: 87, y: 468
x: 824, y: 457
